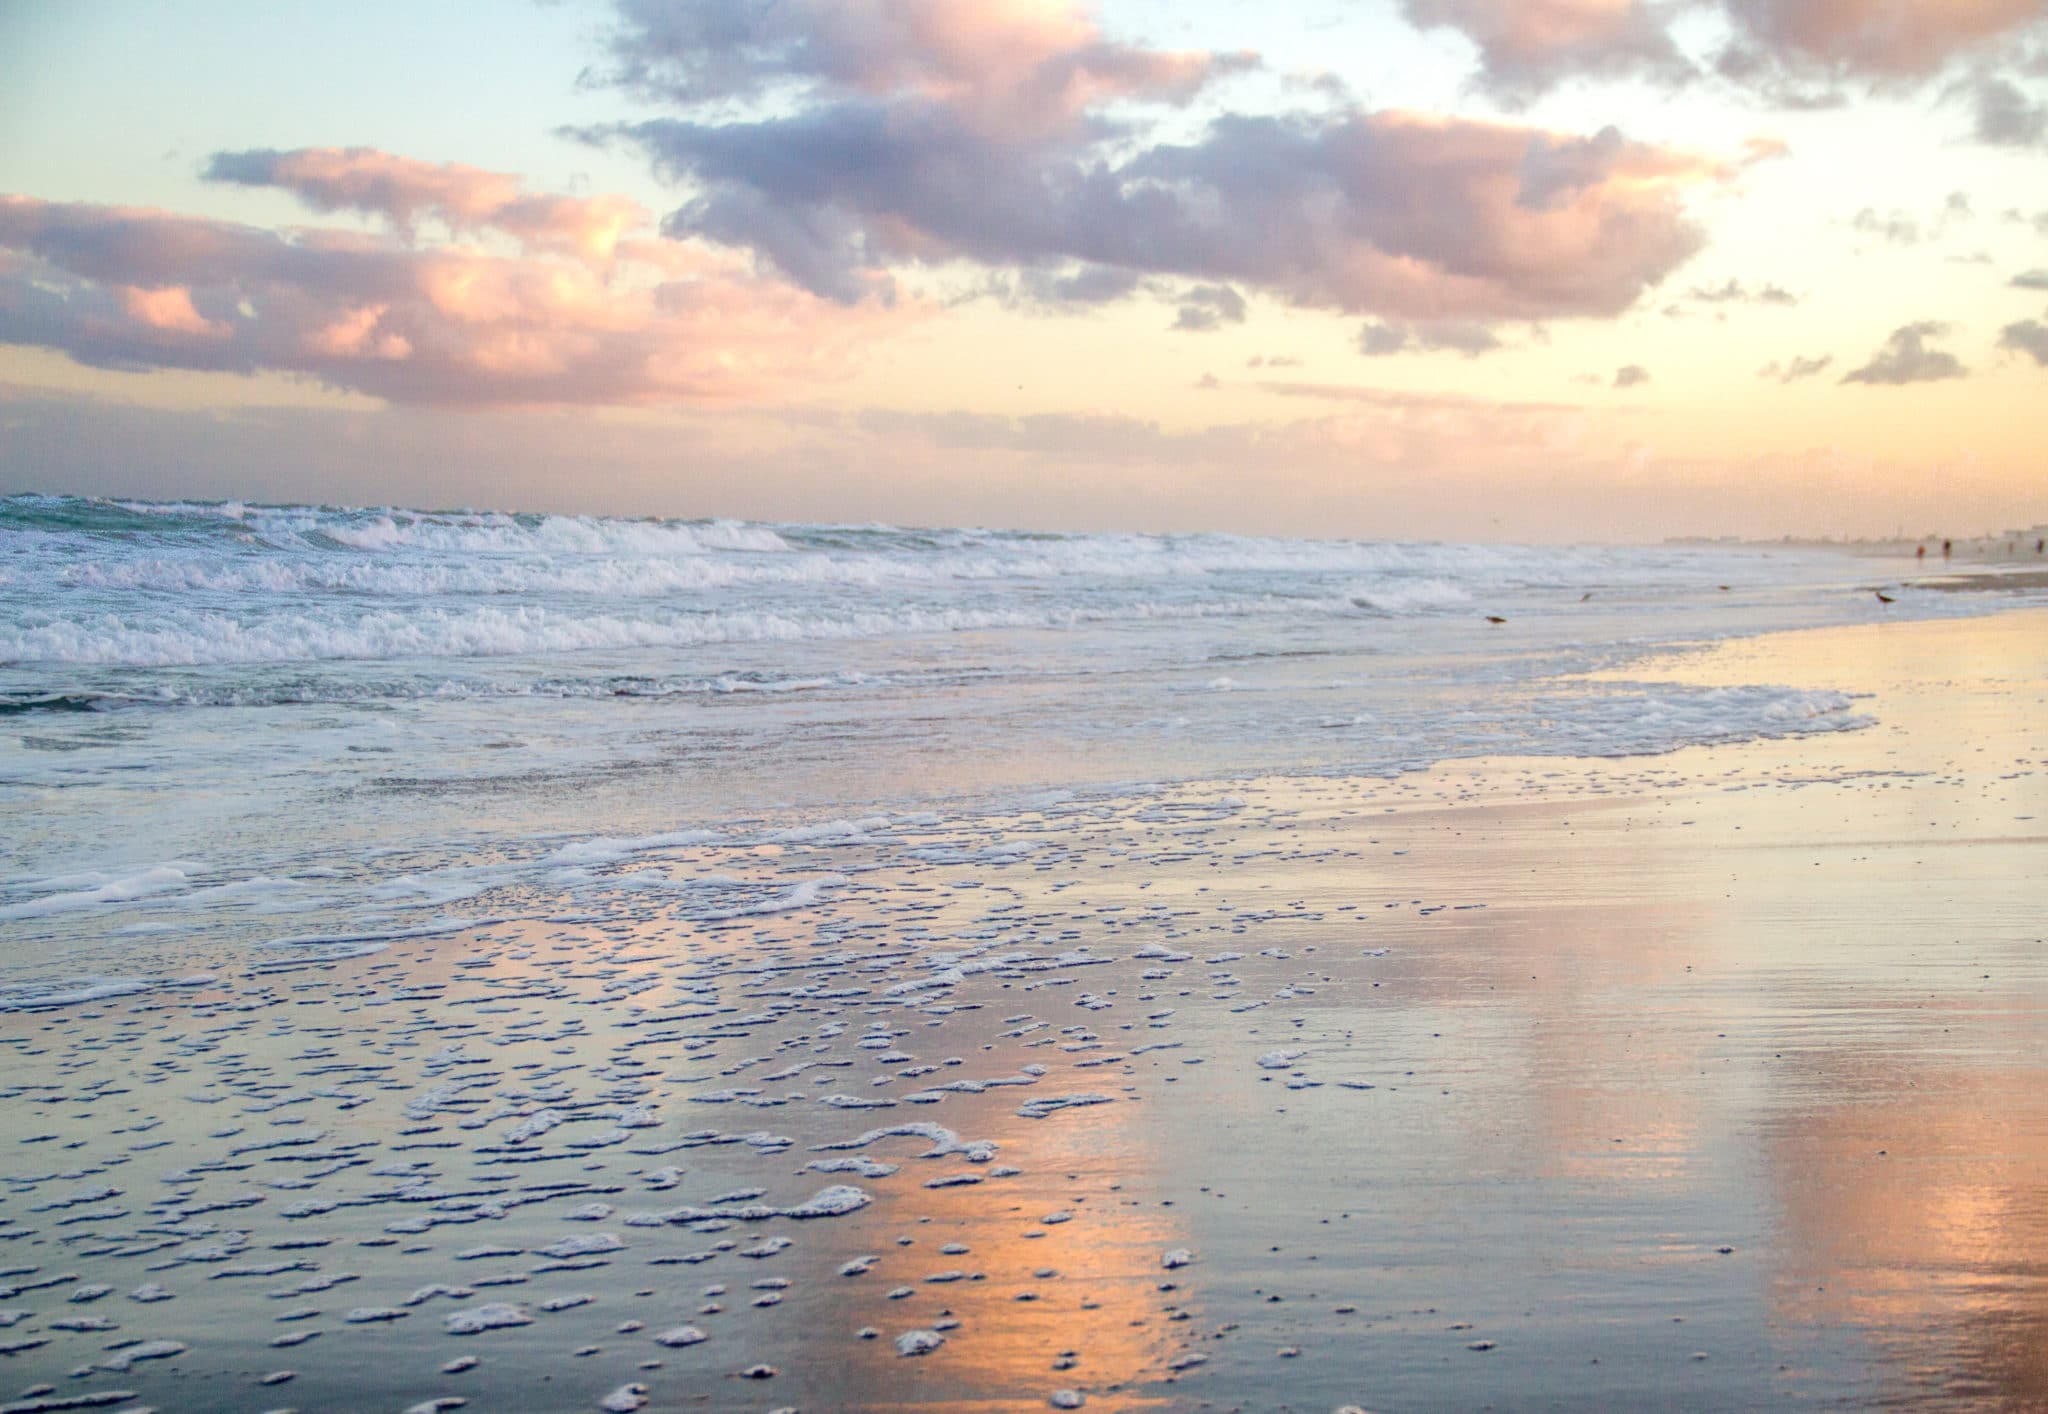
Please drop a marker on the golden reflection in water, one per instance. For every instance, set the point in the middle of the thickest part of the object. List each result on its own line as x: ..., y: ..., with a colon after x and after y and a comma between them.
x: 1104, y: 1305
x: 1917, y: 1208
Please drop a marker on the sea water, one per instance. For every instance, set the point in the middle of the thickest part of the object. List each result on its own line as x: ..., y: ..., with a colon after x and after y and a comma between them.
x: 227, y: 722
x: 556, y: 964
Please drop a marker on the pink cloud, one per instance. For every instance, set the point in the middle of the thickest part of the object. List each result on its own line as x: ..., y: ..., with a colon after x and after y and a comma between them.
x: 1391, y: 213
x: 170, y: 310
x: 1022, y: 68
x: 451, y: 325
x: 406, y: 191
x: 1526, y: 46
x: 1885, y: 38
x: 841, y: 141
x: 1779, y: 47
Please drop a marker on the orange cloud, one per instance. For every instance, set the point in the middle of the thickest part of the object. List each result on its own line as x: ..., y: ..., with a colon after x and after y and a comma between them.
x: 169, y: 309
x: 452, y: 325
x: 1526, y: 46
x: 406, y: 191
x: 1893, y: 38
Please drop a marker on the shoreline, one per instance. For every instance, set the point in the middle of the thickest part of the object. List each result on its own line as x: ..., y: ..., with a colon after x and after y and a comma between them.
x: 1454, y: 1082
x: 1992, y: 581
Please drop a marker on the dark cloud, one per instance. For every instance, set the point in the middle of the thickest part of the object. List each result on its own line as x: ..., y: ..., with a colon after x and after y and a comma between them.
x: 1066, y: 288
x: 1795, y: 368
x: 1096, y: 284
x: 1379, y: 338
x: 1207, y: 307
x: 1875, y: 40
x: 2006, y: 116
x: 1360, y: 212
x: 1631, y: 376
x: 837, y: 149
x: 2031, y: 280
x: 1906, y: 358
x: 2029, y: 336
x: 1002, y: 67
x: 1527, y: 47
x: 1776, y: 82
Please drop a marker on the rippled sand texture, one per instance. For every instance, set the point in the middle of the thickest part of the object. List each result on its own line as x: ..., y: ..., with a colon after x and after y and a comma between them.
x: 1707, y: 1080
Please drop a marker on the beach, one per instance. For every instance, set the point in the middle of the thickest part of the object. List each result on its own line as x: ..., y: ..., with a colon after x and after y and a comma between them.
x: 1644, y: 1070
x: 851, y: 706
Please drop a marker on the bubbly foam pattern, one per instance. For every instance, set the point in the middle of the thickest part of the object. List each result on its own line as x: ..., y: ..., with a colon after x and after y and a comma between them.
x: 596, y: 1125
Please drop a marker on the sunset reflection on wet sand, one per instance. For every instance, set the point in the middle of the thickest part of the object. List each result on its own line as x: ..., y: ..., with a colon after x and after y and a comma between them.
x: 1702, y: 1081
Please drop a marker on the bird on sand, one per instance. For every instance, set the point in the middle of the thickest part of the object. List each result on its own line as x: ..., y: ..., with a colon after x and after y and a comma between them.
x: 1882, y: 597
x: 1495, y: 619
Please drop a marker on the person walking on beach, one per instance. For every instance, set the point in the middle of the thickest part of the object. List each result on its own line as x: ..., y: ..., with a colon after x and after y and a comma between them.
x: 1944, y: 549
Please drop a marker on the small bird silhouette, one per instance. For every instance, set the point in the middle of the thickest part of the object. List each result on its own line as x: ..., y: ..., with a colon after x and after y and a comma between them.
x: 1882, y: 597
x: 1495, y: 619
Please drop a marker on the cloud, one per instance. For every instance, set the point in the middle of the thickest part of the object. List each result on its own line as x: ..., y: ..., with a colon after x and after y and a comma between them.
x: 1434, y: 467
x: 2030, y: 280
x: 2005, y: 116
x: 1953, y: 217
x: 1207, y: 307
x: 1795, y: 368
x: 1389, y: 213
x: 1896, y: 227
x: 1905, y: 358
x: 1797, y: 54
x: 1064, y: 289
x: 1529, y: 46
x: 405, y: 191
x: 1407, y: 401
x: 1735, y: 292
x: 1380, y: 338
x: 842, y: 146
x: 1416, y: 468
x: 1632, y: 375
x: 2029, y: 336
x: 1875, y: 39
x: 1012, y: 69
x: 127, y: 288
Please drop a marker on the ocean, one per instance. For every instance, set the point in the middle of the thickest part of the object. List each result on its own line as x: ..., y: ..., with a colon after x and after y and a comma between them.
x: 224, y: 716
x: 555, y: 963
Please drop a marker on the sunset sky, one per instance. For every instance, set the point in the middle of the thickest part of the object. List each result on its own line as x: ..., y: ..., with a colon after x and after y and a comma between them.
x: 1474, y: 269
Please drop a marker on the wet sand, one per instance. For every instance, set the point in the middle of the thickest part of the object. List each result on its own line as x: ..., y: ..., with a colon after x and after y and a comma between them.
x: 1709, y: 1080
x: 1980, y: 582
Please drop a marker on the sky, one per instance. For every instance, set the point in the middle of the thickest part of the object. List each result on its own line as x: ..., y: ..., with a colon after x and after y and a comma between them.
x: 1431, y: 269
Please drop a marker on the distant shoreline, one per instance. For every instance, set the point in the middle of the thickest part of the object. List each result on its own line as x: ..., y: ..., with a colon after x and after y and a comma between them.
x: 2012, y: 547
x: 1981, y: 582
